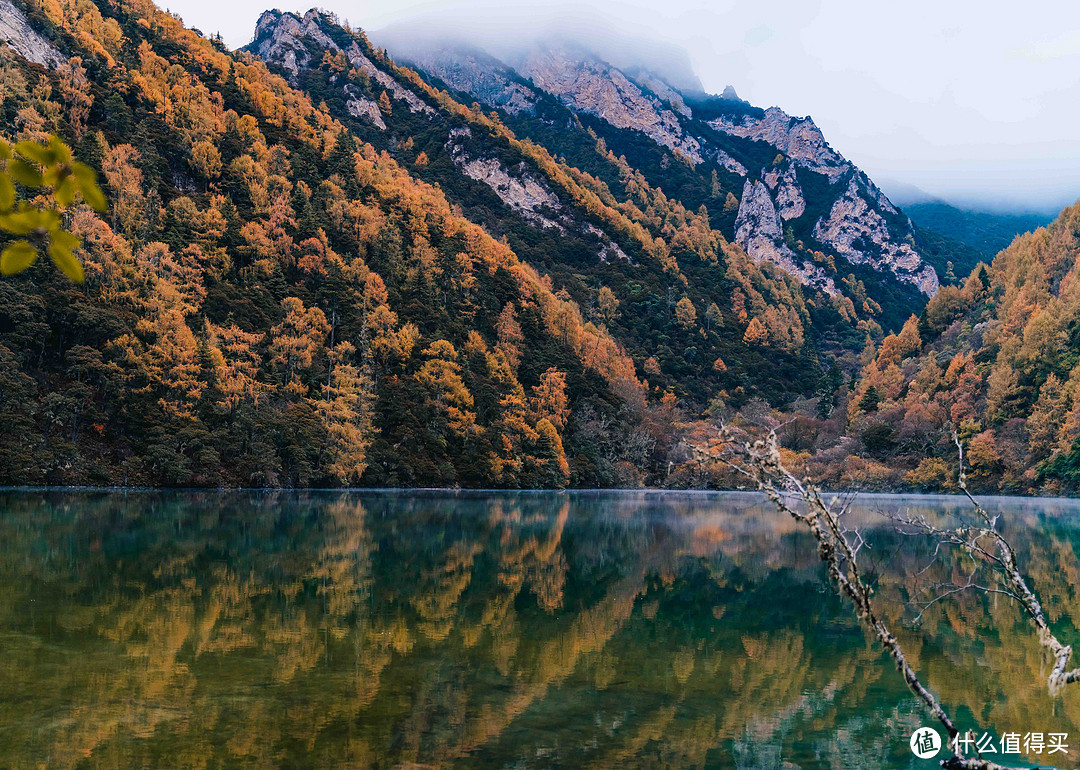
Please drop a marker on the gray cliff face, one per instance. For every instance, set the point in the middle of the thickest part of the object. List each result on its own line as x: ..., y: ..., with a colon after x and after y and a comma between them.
x: 789, y: 197
x: 758, y: 231
x: 291, y: 42
x: 798, y: 138
x: 860, y: 234
x: 359, y: 106
x: 396, y: 90
x: 528, y: 194
x: 475, y: 73
x: 279, y: 38
x: 15, y: 30
x: 593, y: 87
x: 854, y: 227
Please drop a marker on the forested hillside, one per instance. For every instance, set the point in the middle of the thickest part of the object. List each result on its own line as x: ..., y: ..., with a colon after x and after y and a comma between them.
x: 696, y: 314
x: 996, y: 359
x: 985, y: 232
x: 269, y: 301
x: 320, y: 267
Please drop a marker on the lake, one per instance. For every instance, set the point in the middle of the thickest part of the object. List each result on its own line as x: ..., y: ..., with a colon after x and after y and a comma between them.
x: 496, y: 630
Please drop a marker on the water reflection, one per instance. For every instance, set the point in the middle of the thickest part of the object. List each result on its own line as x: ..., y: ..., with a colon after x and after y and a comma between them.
x: 385, y: 630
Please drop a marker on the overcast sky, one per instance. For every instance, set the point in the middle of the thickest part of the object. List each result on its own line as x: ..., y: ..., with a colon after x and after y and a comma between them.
x: 965, y: 99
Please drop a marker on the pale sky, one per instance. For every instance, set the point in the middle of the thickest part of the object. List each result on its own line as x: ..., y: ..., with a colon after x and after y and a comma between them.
x: 966, y: 99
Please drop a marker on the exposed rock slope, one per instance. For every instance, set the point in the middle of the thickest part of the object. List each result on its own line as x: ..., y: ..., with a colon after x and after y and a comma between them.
x: 16, y: 31
x: 842, y: 213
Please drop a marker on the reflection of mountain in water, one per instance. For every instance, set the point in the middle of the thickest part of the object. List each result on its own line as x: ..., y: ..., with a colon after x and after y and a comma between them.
x: 530, y: 630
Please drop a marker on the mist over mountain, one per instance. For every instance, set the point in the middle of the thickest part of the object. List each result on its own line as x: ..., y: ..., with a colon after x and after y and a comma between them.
x: 628, y: 51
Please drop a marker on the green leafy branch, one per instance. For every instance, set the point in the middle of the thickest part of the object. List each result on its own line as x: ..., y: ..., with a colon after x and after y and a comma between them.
x: 48, y: 166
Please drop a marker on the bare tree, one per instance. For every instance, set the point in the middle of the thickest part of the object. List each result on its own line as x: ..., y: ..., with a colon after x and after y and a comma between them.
x: 839, y: 547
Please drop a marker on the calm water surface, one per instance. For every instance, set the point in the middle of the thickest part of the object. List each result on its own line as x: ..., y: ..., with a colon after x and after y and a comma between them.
x: 407, y: 630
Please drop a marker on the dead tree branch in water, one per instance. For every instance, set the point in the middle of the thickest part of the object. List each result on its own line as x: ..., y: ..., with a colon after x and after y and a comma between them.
x: 987, y: 548
x: 838, y: 548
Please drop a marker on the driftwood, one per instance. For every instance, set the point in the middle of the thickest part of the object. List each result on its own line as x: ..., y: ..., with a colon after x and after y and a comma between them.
x: 839, y: 546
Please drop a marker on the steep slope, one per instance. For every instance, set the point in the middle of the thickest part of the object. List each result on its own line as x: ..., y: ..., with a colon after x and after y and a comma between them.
x: 699, y: 148
x: 995, y: 360
x: 697, y: 315
x: 270, y: 301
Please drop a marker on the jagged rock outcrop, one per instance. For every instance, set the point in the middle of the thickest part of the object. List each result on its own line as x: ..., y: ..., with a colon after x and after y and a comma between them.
x: 861, y: 235
x: 287, y: 39
x: 729, y: 94
x: 359, y: 106
x: 396, y: 90
x: 528, y: 194
x: 758, y: 231
x: 475, y: 73
x: 798, y: 138
x: 853, y: 227
x: 523, y: 192
x: 725, y: 160
x: 592, y: 86
x: 290, y: 41
x: 790, y: 202
x: 16, y: 31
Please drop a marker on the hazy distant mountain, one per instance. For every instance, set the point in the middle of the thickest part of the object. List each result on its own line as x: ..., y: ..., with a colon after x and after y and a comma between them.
x: 985, y: 232
x: 986, y: 228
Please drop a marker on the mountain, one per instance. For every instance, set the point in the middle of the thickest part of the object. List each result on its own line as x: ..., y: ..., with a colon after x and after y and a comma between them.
x: 986, y: 232
x: 658, y: 275
x: 270, y: 301
x: 322, y: 267
x: 827, y: 202
x: 815, y: 214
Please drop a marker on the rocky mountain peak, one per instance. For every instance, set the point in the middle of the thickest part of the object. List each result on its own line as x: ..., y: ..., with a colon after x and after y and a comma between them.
x: 590, y: 85
x: 283, y: 38
x: 798, y: 138
x: 729, y: 94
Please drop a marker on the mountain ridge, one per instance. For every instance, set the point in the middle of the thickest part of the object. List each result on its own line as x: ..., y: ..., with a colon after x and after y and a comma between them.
x: 797, y: 137
x: 321, y: 266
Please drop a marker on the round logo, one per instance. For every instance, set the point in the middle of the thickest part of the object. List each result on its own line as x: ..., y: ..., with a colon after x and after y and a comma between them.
x: 925, y: 743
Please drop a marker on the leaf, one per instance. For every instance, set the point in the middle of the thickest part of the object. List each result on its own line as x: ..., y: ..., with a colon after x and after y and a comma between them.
x: 35, y: 152
x: 67, y: 239
x: 24, y: 173
x: 7, y: 193
x: 60, y: 246
x: 28, y: 219
x: 88, y: 186
x: 65, y: 192
x: 17, y: 257
x: 21, y: 222
x: 60, y: 151
x: 5, y: 150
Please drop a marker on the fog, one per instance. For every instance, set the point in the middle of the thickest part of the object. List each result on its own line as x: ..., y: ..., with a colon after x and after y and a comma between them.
x: 973, y: 102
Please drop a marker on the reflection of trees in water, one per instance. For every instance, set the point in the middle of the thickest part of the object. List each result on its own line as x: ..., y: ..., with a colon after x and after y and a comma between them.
x: 528, y: 630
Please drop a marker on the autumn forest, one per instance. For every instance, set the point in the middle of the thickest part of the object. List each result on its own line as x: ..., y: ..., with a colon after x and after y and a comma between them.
x: 303, y: 275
